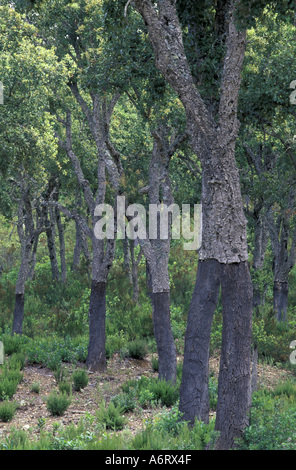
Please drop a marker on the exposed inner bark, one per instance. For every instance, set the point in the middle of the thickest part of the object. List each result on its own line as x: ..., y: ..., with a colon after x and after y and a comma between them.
x: 18, y: 314
x: 163, y: 334
x: 194, y: 390
x: 234, y: 384
x: 280, y: 299
x: 96, y: 358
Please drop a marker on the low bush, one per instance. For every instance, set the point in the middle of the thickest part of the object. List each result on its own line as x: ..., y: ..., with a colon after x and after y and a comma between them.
x: 154, y: 363
x: 151, y: 391
x: 13, y: 344
x: 111, y: 416
x: 35, y: 388
x: 137, y: 349
x: 7, y: 410
x: 57, y: 404
x: 65, y: 387
x: 165, y: 392
x: 80, y: 379
x: 17, y: 360
x: 272, y: 423
x: 125, y: 400
x: 7, y: 388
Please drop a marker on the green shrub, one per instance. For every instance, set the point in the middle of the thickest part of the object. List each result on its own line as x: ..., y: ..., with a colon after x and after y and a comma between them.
x: 7, y: 388
x: 57, y: 404
x: 111, y: 416
x: 125, y: 400
x: 272, y: 422
x: 35, y: 388
x: 150, y: 391
x: 17, y: 360
x: 14, y: 375
x: 137, y: 349
x: 7, y: 410
x: 60, y: 373
x: 286, y: 389
x: 65, y: 387
x: 165, y: 392
x: 80, y: 379
x: 154, y: 363
x: 146, y: 398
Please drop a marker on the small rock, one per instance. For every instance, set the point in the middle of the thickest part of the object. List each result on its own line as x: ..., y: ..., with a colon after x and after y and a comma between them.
x: 26, y: 427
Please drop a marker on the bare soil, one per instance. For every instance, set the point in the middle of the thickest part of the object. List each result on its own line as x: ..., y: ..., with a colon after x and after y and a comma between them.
x: 32, y: 406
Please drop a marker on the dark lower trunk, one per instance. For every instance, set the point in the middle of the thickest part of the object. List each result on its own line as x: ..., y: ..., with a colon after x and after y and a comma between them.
x: 96, y: 359
x: 234, y: 384
x: 194, y: 390
x: 167, y: 356
x: 280, y: 299
x: 18, y: 315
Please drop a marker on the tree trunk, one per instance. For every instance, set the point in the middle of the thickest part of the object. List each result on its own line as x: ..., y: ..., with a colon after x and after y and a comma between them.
x: 96, y: 359
x: 234, y: 392
x: 33, y: 260
x: 127, y: 259
x: 280, y: 299
x: 134, y: 272
x: 194, y: 390
x: 50, y: 233
x: 166, y: 348
x: 77, y: 249
x: 18, y: 314
x: 62, y: 245
x: 213, y: 138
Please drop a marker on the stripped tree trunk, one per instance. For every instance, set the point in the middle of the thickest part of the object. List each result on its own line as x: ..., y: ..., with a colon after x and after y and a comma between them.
x: 284, y: 253
x: 28, y: 237
x: 157, y: 252
x: 223, y: 254
x: 98, y: 117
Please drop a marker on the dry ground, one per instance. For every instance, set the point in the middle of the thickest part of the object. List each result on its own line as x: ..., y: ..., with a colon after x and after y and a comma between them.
x: 32, y: 406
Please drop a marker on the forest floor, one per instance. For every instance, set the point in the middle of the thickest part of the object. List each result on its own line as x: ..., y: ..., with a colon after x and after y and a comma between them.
x: 102, y: 386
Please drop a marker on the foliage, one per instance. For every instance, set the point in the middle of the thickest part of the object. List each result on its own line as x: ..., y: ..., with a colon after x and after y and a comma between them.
x: 271, y: 425
x: 151, y: 391
x: 65, y: 387
x: 137, y: 349
x: 52, y: 351
x: 80, y: 379
x: 57, y: 404
x: 168, y: 431
x: 125, y: 400
x: 111, y: 416
x: 7, y: 410
x: 35, y: 388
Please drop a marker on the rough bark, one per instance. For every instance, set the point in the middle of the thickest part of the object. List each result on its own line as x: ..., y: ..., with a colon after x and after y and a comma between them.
x: 96, y: 359
x: 224, y: 222
x: 284, y: 252
x: 163, y: 334
x: 98, y: 118
x: 234, y: 392
x: 280, y: 299
x: 18, y: 314
x: 28, y: 237
x: 194, y: 390
x: 51, y: 244
x: 62, y: 245
x: 156, y: 250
